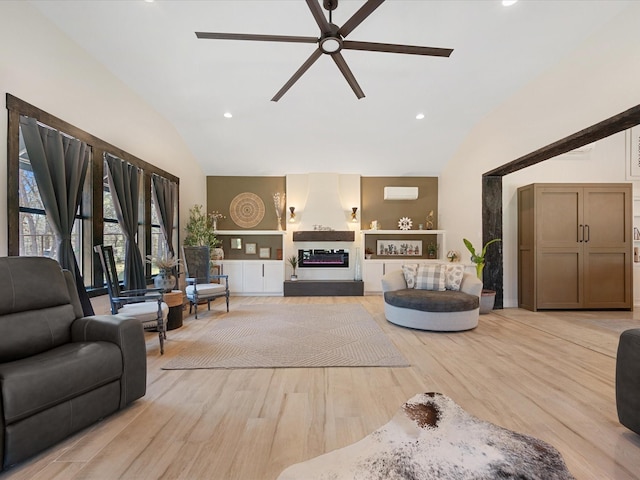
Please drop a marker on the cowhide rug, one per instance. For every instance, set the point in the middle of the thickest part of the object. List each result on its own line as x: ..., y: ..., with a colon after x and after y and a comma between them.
x: 431, y: 437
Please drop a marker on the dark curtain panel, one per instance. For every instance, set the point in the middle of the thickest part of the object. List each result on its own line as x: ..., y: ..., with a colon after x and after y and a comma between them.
x: 59, y: 166
x: 124, y: 182
x: 165, y: 193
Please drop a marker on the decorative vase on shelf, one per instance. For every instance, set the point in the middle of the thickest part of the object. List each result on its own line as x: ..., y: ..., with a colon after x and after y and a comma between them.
x: 357, y: 267
x: 217, y: 254
x: 164, y: 280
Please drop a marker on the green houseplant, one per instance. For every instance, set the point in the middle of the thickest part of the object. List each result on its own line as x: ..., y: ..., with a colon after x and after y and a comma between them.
x: 293, y: 261
x: 478, y: 257
x: 200, y: 230
x: 488, y: 297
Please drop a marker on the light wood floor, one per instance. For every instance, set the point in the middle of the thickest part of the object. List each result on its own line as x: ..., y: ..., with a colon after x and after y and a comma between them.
x: 550, y: 375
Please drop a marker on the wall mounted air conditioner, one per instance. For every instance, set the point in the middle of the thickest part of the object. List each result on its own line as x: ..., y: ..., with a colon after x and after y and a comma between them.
x: 400, y: 193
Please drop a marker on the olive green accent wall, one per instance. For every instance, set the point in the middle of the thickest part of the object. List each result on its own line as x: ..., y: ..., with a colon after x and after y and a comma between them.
x: 221, y: 190
x: 388, y: 212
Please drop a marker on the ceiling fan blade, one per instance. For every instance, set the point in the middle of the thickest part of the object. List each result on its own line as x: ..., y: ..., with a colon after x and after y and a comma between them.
x: 357, y: 18
x: 296, y: 76
x: 317, y: 13
x: 346, y: 71
x: 261, y: 38
x: 392, y: 48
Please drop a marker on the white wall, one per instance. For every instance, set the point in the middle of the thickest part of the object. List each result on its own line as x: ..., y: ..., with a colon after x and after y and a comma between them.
x: 595, y: 82
x: 43, y: 67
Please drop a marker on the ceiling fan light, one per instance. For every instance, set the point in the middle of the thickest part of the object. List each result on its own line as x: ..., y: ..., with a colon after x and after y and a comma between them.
x: 330, y: 45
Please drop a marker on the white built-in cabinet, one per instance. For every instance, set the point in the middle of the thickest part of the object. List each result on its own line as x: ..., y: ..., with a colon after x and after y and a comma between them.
x: 254, y: 277
x: 374, y: 269
x: 234, y: 269
x: 262, y: 277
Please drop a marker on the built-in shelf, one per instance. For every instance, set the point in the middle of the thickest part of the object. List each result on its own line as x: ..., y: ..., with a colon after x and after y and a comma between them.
x: 251, y: 232
x: 403, y: 232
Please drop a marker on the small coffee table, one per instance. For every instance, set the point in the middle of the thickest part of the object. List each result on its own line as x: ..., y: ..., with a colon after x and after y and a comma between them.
x: 174, y: 300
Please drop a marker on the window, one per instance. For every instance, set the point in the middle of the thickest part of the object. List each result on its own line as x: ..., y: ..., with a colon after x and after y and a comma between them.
x: 96, y: 222
x: 112, y: 233
x: 159, y: 247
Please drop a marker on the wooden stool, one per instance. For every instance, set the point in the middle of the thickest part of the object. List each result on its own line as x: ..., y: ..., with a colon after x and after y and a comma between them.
x: 174, y: 300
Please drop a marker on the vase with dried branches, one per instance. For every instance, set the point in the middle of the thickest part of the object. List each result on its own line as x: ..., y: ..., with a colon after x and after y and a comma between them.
x: 278, y: 203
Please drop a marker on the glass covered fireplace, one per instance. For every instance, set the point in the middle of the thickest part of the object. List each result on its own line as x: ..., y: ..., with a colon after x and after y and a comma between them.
x: 323, y: 258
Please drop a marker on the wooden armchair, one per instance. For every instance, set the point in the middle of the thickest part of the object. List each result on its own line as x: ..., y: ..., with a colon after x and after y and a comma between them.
x: 145, y: 305
x: 199, y: 279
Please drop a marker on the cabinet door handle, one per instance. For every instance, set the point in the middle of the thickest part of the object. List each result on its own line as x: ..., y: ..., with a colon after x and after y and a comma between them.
x: 588, y: 237
x: 263, y: 270
x: 580, y: 232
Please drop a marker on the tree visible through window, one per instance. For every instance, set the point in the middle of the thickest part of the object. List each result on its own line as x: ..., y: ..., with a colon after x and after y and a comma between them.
x: 112, y: 234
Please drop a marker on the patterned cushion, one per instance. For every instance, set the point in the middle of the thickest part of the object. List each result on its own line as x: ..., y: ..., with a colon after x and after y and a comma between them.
x: 431, y: 277
x: 453, y: 276
x: 410, y: 272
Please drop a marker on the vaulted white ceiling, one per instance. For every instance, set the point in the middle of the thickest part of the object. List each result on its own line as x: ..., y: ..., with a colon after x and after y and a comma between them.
x: 319, y: 125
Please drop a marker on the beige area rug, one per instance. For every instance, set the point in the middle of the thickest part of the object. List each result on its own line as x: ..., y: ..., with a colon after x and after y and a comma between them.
x: 433, y: 438
x: 272, y: 336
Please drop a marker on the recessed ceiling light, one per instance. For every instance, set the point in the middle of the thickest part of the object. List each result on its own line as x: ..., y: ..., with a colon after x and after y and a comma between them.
x: 227, y: 115
x: 508, y: 3
x: 420, y: 116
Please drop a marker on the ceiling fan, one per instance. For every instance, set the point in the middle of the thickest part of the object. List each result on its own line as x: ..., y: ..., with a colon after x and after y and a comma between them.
x: 331, y: 42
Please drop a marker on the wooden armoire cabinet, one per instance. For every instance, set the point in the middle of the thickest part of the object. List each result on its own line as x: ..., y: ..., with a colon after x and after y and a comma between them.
x: 575, y: 246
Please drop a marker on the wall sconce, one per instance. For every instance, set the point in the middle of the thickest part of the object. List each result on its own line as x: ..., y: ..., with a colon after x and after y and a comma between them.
x: 292, y: 215
x: 354, y: 215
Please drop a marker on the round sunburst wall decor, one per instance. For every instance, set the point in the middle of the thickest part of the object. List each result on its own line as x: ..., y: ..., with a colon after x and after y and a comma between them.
x: 247, y: 210
x: 405, y: 223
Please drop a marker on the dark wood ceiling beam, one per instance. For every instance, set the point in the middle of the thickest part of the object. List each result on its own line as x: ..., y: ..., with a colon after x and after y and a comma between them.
x: 615, y: 124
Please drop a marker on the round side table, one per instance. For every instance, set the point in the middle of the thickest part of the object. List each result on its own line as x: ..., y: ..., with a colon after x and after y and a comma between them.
x: 174, y: 300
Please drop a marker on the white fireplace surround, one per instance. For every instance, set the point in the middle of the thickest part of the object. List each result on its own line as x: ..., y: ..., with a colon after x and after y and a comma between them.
x: 326, y: 200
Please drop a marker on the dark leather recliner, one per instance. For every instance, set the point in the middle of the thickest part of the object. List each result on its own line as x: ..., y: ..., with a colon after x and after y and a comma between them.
x: 628, y: 379
x: 59, y: 371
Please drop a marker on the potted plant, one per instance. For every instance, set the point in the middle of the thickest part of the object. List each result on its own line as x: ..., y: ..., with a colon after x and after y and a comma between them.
x: 488, y: 297
x: 293, y: 261
x: 201, y: 232
x: 432, y: 250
